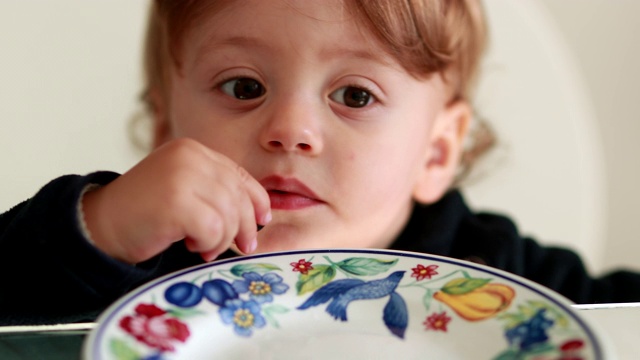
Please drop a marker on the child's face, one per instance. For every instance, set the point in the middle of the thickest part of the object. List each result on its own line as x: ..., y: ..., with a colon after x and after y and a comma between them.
x: 302, y: 97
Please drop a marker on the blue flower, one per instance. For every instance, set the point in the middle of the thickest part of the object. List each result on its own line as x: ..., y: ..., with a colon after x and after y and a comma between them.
x: 531, y: 332
x: 260, y: 288
x: 244, y: 315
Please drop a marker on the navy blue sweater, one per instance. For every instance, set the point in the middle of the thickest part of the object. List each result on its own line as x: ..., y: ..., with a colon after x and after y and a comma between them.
x: 49, y: 273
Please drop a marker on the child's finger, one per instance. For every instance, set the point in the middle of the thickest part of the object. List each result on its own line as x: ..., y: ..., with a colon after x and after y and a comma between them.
x: 246, y: 237
x: 258, y: 196
x: 210, y: 255
x: 204, y: 227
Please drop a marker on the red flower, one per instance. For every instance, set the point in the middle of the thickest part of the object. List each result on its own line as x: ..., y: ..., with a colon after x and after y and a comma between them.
x: 437, y: 322
x: 420, y: 272
x: 571, y: 349
x: 149, y: 325
x: 302, y: 266
x: 572, y: 345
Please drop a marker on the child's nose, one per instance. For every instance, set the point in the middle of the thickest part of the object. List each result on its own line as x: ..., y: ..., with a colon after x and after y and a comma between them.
x: 293, y: 127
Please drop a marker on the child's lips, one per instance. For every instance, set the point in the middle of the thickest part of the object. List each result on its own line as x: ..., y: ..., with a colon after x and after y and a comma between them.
x: 289, y: 193
x: 290, y: 201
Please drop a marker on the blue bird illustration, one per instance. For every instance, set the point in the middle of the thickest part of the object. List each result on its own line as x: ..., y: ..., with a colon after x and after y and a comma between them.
x: 342, y: 292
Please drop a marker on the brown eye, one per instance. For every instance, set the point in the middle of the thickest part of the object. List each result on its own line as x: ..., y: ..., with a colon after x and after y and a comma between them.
x: 243, y: 88
x: 352, y: 96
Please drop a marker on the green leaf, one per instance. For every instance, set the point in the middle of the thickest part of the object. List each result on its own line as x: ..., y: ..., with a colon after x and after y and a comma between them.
x: 271, y: 320
x: 562, y: 321
x: 511, y: 320
x: 275, y: 309
x: 240, y: 269
x: 270, y: 311
x: 509, y: 354
x: 122, y: 351
x: 427, y: 298
x: 537, y: 304
x: 365, y: 266
x: 463, y: 285
x: 527, y: 311
x: 315, y: 278
x: 185, y: 313
x: 544, y: 348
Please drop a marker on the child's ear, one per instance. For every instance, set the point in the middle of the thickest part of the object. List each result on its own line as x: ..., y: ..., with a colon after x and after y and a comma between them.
x: 443, y: 154
x: 161, y: 125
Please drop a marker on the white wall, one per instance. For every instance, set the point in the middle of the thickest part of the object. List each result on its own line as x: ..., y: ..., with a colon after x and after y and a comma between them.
x: 69, y: 80
x: 547, y: 171
x: 603, y: 36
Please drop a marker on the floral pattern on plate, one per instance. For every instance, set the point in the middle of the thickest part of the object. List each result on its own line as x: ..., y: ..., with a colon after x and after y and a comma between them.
x: 257, y: 298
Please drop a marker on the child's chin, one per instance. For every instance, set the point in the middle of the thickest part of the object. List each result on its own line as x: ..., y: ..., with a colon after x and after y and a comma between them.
x: 279, y: 240
x: 284, y: 245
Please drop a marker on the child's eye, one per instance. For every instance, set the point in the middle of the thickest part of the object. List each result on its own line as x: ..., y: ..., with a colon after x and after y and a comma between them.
x: 243, y: 88
x: 352, y: 96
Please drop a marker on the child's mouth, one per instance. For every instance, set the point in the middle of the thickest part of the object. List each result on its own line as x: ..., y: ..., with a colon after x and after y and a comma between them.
x: 289, y: 193
x: 283, y: 200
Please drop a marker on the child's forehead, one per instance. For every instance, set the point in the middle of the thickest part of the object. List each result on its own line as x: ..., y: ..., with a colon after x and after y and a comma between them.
x: 422, y: 40
x: 247, y: 15
x: 327, y: 26
x: 326, y: 10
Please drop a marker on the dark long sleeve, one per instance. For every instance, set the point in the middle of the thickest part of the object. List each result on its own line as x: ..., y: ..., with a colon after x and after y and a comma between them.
x: 450, y: 228
x: 50, y: 272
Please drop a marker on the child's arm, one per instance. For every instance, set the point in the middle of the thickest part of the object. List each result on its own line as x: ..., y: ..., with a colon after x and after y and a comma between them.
x: 50, y: 273
x: 183, y: 190
x: 563, y: 270
x: 450, y: 228
x: 496, y: 239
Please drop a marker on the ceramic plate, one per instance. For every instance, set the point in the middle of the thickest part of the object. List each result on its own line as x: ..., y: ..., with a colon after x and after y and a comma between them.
x: 342, y: 304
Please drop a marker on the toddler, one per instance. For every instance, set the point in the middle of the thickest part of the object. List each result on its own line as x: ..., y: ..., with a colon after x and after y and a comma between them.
x: 337, y: 123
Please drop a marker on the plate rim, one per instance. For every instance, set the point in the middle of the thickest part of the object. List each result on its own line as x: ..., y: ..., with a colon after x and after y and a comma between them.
x: 90, y: 347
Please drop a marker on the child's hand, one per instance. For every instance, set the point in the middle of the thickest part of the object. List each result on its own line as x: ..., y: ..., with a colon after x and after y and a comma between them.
x: 182, y: 190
